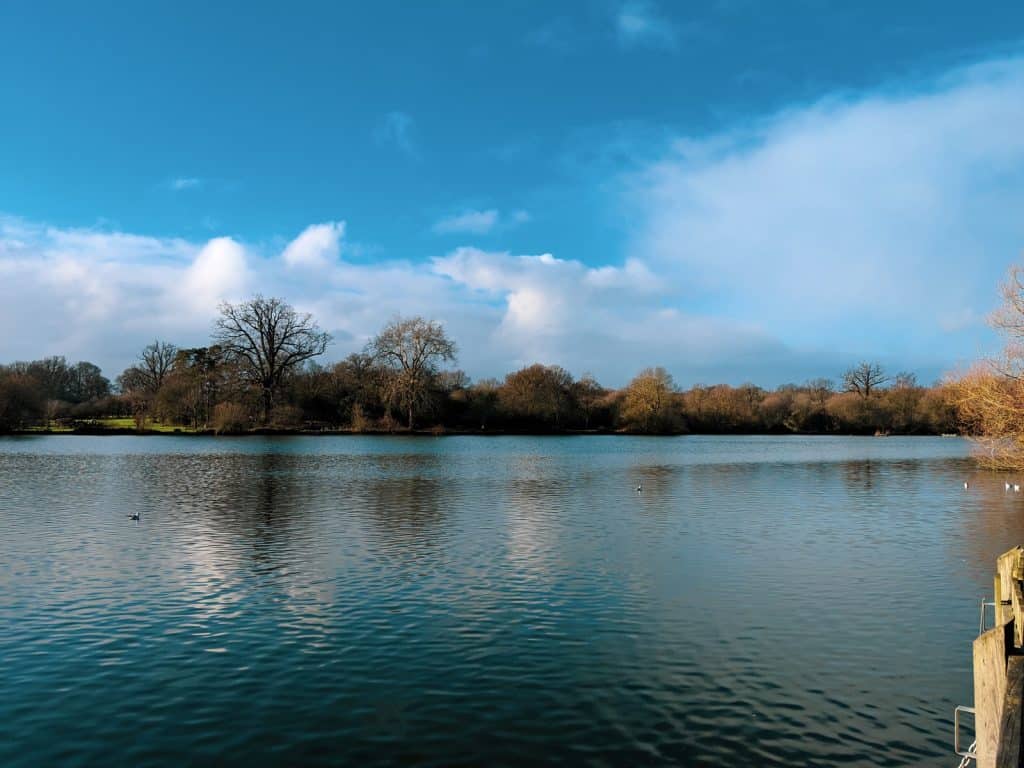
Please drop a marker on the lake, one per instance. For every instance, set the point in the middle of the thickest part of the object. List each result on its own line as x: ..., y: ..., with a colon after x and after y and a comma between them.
x: 491, y: 601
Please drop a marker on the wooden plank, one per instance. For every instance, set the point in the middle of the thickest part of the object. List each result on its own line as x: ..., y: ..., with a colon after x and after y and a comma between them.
x: 1017, y: 601
x: 1006, y: 564
x: 990, y: 651
x: 1009, y: 752
x: 997, y: 597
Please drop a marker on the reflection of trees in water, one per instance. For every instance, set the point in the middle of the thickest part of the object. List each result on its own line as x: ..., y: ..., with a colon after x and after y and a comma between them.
x: 535, y: 510
x: 859, y: 476
x: 235, y: 503
x: 659, y: 481
x: 406, y: 511
x: 404, y: 500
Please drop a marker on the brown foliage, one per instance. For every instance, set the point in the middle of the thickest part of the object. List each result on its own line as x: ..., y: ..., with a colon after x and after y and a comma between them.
x: 989, y: 398
x: 649, y: 404
x: 230, y: 418
x: 990, y: 404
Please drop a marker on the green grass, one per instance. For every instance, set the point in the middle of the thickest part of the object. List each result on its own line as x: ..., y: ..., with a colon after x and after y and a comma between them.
x: 126, y: 422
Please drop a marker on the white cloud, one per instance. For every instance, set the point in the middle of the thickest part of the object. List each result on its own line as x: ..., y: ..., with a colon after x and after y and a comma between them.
x: 852, y: 222
x: 469, y: 222
x: 638, y: 23
x: 103, y: 295
x: 874, y: 226
x: 475, y: 222
x: 316, y: 247
x: 185, y: 182
x: 562, y: 311
x: 219, y: 272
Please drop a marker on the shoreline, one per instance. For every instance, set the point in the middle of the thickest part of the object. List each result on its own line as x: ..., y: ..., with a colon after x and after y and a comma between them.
x: 267, y: 432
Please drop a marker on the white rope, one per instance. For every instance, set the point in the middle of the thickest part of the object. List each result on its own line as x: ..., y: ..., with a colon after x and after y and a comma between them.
x: 967, y: 760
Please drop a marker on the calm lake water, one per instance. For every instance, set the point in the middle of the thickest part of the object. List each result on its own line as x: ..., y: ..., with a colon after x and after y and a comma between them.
x: 506, y: 601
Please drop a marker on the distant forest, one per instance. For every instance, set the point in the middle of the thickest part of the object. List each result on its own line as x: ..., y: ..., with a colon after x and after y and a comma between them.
x: 260, y: 373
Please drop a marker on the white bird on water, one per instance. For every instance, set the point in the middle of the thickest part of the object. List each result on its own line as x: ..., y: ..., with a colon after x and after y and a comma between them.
x: 1016, y: 488
x: 136, y: 516
x: 966, y: 486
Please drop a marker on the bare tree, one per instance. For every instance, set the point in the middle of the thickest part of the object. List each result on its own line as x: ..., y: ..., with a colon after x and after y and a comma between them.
x: 143, y: 380
x: 1009, y: 318
x: 864, y: 378
x: 905, y: 380
x: 820, y: 390
x: 156, y: 361
x: 989, y: 398
x: 412, y: 349
x: 269, y: 339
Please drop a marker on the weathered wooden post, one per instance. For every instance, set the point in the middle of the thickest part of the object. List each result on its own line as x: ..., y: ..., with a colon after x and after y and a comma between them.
x: 999, y: 670
x: 990, y: 652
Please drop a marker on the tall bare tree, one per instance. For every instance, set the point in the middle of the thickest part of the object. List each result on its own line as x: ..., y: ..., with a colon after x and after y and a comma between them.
x: 269, y: 340
x: 156, y: 361
x: 144, y: 379
x: 413, y: 350
x: 864, y: 378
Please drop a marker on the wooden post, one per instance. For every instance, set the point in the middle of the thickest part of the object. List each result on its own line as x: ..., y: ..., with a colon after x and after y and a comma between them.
x: 1017, y: 604
x: 1006, y: 564
x: 1009, y: 755
x: 990, y: 649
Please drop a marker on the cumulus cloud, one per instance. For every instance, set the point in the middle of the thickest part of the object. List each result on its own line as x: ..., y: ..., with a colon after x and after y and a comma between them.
x: 102, y: 295
x: 589, y: 318
x: 317, y: 247
x: 218, y: 272
x: 86, y: 293
x: 872, y: 226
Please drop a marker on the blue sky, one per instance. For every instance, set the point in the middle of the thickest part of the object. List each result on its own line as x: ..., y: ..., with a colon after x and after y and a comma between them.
x: 733, y: 192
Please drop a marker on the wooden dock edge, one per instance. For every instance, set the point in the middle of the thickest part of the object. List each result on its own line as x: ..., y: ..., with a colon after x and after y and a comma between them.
x: 999, y: 671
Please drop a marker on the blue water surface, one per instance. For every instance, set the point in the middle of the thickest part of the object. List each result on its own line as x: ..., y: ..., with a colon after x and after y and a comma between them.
x: 491, y: 601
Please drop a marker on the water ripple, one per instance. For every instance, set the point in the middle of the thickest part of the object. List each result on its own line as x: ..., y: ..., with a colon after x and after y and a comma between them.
x: 763, y: 601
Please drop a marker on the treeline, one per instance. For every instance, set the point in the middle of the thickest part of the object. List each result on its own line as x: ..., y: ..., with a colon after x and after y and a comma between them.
x: 259, y: 373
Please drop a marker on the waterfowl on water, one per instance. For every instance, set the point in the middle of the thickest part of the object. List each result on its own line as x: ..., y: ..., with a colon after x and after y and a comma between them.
x: 1007, y: 486
x: 639, y: 487
x: 965, y: 485
x: 136, y: 516
x: 1016, y: 488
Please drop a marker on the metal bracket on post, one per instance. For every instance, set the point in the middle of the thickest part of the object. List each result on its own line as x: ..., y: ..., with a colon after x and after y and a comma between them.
x: 969, y: 753
x: 981, y: 618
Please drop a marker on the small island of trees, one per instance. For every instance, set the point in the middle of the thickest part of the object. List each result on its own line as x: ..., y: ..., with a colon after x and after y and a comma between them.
x: 260, y: 373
